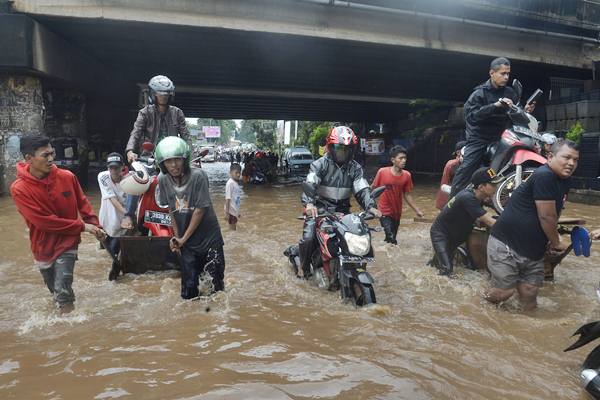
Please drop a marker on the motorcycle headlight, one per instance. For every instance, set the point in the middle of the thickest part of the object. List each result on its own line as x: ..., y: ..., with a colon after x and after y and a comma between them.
x: 359, y: 245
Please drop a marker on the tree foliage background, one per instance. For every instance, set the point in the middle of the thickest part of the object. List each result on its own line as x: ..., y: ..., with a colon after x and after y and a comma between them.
x: 262, y: 132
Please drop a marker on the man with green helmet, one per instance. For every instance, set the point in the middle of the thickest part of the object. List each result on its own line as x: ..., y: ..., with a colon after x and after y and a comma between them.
x: 197, y: 235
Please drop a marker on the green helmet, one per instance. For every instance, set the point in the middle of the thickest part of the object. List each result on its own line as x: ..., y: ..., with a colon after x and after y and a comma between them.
x: 172, y: 147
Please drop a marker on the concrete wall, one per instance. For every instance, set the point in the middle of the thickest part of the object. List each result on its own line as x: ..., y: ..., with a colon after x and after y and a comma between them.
x: 32, y: 106
x: 21, y: 111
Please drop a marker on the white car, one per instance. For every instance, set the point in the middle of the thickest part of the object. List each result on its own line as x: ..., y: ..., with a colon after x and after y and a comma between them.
x: 210, y: 156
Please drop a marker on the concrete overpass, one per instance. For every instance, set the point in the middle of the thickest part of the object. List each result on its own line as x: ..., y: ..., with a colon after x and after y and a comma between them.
x: 288, y: 59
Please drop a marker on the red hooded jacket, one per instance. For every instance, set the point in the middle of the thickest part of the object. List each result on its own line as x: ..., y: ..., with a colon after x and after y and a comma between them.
x: 51, y: 208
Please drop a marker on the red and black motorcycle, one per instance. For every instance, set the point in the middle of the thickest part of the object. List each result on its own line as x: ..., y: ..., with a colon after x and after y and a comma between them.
x: 148, y: 250
x: 518, y: 153
x: 340, y: 261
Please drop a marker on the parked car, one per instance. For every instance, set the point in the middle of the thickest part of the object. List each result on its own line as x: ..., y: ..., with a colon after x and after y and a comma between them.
x: 211, y: 156
x: 297, y: 160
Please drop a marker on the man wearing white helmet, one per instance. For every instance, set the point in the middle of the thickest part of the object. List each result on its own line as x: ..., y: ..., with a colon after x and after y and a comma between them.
x: 154, y: 122
x: 548, y: 140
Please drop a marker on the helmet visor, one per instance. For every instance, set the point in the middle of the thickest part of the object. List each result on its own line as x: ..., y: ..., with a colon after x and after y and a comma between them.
x: 341, y: 153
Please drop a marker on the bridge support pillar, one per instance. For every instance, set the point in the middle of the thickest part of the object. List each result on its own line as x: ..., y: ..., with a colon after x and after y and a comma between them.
x: 21, y: 112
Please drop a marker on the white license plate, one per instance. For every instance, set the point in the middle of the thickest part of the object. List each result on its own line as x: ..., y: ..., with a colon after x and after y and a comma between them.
x: 157, y: 217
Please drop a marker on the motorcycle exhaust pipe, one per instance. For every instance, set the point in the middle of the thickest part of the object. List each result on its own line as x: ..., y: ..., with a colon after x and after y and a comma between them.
x: 590, y: 378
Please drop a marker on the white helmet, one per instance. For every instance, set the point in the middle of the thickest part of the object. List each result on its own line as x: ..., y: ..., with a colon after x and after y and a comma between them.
x: 136, y: 182
x: 548, y: 138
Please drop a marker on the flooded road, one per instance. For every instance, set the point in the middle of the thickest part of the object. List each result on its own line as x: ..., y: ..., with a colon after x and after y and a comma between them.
x: 272, y: 336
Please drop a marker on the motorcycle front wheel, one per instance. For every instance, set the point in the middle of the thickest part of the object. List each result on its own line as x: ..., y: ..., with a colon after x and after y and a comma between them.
x: 506, y: 188
x: 362, y: 294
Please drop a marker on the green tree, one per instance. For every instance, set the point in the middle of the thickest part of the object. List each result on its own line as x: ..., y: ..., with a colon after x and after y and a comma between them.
x: 248, y: 131
x: 259, y: 131
x: 305, y: 129
x: 318, y: 136
x: 266, y: 134
x: 575, y: 132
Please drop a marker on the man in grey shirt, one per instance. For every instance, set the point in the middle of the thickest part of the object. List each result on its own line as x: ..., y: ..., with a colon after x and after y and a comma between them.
x: 197, y: 234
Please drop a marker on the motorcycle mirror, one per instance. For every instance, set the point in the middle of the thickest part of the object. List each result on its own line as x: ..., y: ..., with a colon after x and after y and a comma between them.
x: 309, y: 189
x: 518, y: 88
x: 375, y: 193
x: 535, y: 96
x: 203, y: 152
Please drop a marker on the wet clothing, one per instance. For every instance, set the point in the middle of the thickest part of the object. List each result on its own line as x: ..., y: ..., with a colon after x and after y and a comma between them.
x: 109, y: 216
x: 518, y: 226
x: 334, y: 185
x: 390, y: 202
x: 52, y: 208
x: 233, y: 192
x: 151, y: 125
x: 484, y: 124
x: 447, y: 176
x: 58, y: 277
x: 390, y: 227
x: 453, y: 226
x: 508, y: 268
x: 209, y: 264
x: 443, y: 251
x: 183, y: 200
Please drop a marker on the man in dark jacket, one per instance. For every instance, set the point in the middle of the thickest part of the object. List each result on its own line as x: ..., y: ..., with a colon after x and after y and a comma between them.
x: 485, y: 118
x: 154, y: 122
x: 336, y: 176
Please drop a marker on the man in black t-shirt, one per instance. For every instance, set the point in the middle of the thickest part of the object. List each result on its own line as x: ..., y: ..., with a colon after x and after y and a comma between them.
x: 527, y: 229
x: 454, y: 224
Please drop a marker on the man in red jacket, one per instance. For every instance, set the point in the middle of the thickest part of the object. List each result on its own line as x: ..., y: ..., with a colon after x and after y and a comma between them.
x: 51, y: 200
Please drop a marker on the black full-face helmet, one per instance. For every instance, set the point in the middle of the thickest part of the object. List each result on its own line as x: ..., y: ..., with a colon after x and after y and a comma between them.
x: 160, y: 85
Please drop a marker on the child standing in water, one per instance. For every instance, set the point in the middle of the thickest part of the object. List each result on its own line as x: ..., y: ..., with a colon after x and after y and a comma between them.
x: 398, y: 185
x: 233, y: 193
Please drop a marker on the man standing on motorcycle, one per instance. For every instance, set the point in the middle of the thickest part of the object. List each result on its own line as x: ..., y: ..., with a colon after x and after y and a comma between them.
x: 336, y: 176
x: 486, y: 119
x: 157, y: 120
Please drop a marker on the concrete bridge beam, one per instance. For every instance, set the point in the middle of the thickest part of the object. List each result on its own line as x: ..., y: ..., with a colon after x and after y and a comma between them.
x: 357, y: 22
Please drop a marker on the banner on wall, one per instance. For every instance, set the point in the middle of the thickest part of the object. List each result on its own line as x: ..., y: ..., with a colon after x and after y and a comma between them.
x: 374, y: 147
x: 211, y: 131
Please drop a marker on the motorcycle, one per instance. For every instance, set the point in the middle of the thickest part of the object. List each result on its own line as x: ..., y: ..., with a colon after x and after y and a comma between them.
x: 340, y: 260
x: 149, y: 249
x: 518, y: 152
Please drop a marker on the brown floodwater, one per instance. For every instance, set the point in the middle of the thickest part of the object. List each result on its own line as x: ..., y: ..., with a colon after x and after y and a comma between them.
x: 272, y: 336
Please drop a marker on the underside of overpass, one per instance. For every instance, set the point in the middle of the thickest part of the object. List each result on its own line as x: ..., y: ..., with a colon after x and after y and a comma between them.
x: 307, y: 60
x: 222, y: 73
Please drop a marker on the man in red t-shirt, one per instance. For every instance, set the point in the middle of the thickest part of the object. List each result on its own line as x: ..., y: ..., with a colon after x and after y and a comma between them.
x: 449, y: 171
x: 398, y: 184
